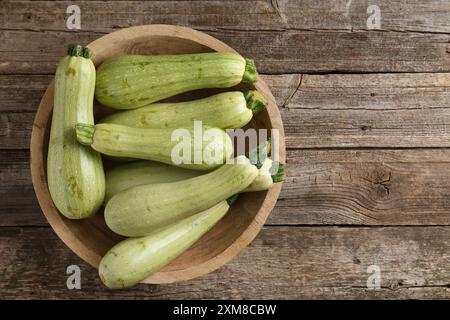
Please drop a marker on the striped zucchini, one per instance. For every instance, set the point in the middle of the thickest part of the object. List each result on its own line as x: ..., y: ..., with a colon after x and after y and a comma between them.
x: 152, y: 144
x: 133, y: 81
x: 140, y: 173
x: 142, y: 209
x: 228, y: 110
x: 75, y: 174
x: 134, y: 259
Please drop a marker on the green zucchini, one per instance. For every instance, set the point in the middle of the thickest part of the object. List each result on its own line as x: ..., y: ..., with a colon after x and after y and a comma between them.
x: 269, y: 173
x: 154, y: 144
x: 134, y: 259
x: 139, y: 173
x: 228, y: 110
x: 140, y: 210
x: 133, y: 81
x: 75, y: 174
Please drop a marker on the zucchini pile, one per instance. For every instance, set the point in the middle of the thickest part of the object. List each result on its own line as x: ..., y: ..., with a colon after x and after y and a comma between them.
x: 162, y: 207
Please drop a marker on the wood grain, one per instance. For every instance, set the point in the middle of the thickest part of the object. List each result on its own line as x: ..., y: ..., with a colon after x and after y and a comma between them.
x: 275, y: 52
x: 15, y: 130
x: 372, y: 110
x: 282, y: 263
x: 323, y: 187
x: 18, y: 204
x: 292, y: 36
x: 365, y: 187
x: 318, y: 111
x: 22, y: 93
x: 413, y: 16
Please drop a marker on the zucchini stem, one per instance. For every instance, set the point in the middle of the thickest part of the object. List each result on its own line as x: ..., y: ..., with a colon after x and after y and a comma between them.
x: 85, y: 133
x: 232, y: 199
x: 76, y: 50
x: 250, y: 72
x: 258, y: 154
x: 280, y: 174
x: 87, y: 53
x: 255, y: 101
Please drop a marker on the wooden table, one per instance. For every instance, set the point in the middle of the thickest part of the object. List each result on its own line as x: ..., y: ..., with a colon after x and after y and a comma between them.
x: 367, y: 119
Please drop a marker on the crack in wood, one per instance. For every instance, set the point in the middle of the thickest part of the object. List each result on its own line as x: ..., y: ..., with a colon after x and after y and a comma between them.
x: 276, y: 7
x: 292, y: 94
x: 386, y: 183
x: 392, y: 287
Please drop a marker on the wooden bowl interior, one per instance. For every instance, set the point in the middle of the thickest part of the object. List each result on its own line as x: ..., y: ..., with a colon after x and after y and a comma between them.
x: 92, y: 234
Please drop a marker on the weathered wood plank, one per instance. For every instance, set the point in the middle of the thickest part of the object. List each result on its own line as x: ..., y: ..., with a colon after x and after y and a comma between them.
x: 376, y: 110
x: 18, y: 203
x: 283, y: 36
x: 15, y: 130
x: 282, y: 263
x: 368, y: 187
x: 416, y: 15
x: 324, y: 111
x: 22, y: 93
x: 326, y: 187
x: 275, y: 52
x: 36, y: 52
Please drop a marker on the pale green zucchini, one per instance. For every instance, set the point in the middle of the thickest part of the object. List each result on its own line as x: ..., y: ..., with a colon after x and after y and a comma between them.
x: 75, y: 174
x: 133, y: 81
x: 153, y: 144
x: 140, y: 173
x: 228, y: 110
x: 134, y: 259
x: 142, y: 209
x: 269, y: 173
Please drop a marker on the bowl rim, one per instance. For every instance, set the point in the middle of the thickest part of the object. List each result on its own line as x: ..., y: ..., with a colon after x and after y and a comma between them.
x: 55, y: 219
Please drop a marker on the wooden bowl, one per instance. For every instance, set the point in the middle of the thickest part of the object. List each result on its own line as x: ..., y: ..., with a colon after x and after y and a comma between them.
x: 90, y: 239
